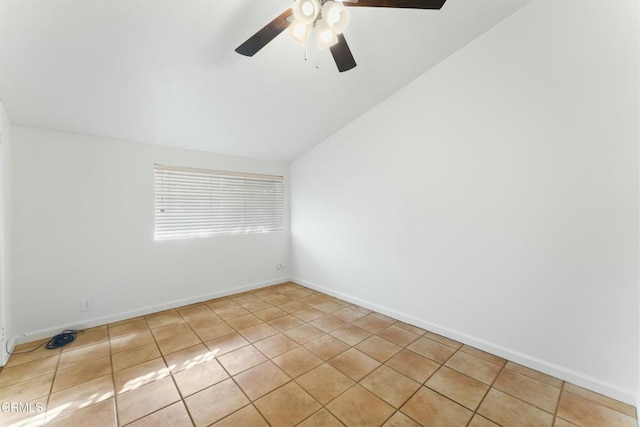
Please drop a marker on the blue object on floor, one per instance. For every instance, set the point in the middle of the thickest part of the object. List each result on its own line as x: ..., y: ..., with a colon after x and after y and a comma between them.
x: 61, y: 339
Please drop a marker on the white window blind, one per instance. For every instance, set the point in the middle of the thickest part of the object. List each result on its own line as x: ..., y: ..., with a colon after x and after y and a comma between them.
x: 198, y: 202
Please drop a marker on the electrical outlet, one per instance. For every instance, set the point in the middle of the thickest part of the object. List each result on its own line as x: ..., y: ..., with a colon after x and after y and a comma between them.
x: 86, y: 305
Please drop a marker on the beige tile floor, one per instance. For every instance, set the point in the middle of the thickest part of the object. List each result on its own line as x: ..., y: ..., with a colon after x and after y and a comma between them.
x: 284, y: 356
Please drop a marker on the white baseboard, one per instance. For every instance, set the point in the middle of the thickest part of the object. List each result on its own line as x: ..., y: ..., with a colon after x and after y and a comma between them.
x: 566, y: 374
x: 98, y: 321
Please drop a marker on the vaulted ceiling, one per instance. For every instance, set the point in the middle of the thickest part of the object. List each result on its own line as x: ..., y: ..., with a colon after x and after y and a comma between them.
x: 165, y: 71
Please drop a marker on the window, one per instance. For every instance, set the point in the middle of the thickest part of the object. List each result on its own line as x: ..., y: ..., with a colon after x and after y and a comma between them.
x: 198, y: 202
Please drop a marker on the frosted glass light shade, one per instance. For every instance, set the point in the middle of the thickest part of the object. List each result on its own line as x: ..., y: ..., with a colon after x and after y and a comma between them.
x: 336, y: 16
x: 306, y: 11
x: 299, y: 32
x: 325, y: 35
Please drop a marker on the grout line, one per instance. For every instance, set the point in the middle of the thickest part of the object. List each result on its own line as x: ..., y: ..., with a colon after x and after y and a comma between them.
x: 53, y: 381
x: 113, y: 379
x: 170, y: 375
x: 555, y: 412
x: 424, y: 383
x: 475, y: 412
x: 175, y: 384
x: 292, y: 379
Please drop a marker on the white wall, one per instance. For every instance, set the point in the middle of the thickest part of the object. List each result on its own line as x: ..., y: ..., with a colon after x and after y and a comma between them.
x: 5, y: 230
x: 84, y: 224
x: 495, y: 198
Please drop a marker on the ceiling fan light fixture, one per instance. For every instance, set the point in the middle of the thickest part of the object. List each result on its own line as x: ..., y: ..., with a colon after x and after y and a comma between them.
x: 336, y: 16
x: 300, y: 32
x: 325, y: 35
x: 306, y: 11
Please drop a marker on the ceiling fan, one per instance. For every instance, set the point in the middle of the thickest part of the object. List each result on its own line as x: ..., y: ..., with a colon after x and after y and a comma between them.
x: 329, y: 18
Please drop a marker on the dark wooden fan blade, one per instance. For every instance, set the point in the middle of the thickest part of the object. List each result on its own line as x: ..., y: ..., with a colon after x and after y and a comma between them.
x: 409, y: 4
x: 265, y: 35
x: 342, y: 54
